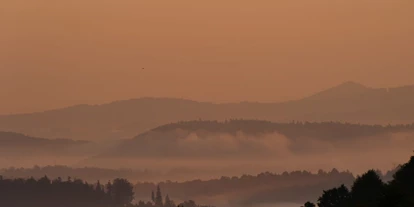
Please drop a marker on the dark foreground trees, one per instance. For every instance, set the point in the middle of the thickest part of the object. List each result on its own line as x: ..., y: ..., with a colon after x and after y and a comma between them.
x: 369, y: 190
x: 44, y: 192
x: 157, y: 201
x: 122, y: 192
x: 336, y: 197
x: 59, y: 193
x: 309, y: 204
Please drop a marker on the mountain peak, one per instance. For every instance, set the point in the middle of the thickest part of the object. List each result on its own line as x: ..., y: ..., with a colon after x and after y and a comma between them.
x: 343, y: 90
x: 351, y: 85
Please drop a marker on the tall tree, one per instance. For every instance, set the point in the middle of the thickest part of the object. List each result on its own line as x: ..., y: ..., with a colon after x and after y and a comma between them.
x: 109, y: 188
x: 336, y: 197
x: 401, y: 189
x: 167, y: 202
x: 123, y: 193
x: 158, y: 197
x: 367, y: 190
x: 99, y: 187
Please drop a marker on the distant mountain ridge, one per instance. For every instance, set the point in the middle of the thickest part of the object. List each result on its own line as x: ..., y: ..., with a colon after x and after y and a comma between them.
x: 348, y: 102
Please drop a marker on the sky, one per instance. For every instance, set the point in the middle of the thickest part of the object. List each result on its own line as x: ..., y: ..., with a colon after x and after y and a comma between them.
x: 60, y: 53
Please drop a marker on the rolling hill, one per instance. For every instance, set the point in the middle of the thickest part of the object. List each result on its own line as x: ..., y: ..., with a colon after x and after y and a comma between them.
x: 250, y: 138
x: 250, y: 145
x: 15, y: 144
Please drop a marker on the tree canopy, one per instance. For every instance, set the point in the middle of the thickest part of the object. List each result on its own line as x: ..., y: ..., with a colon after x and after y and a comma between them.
x: 368, y: 190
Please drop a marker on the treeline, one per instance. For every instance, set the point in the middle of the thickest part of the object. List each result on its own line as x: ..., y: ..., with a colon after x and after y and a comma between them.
x: 267, y: 185
x: 90, y: 174
x: 64, y: 193
x: 76, y: 193
x: 368, y: 190
x: 157, y: 200
x: 293, y: 129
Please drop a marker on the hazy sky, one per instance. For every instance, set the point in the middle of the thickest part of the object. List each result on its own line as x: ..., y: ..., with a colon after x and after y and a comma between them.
x: 59, y: 53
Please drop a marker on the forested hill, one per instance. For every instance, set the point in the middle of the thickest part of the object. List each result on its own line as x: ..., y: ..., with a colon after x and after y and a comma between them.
x: 252, y: 138
x: 17, y: 139
x: 292, y: 129
x: 18, y: 144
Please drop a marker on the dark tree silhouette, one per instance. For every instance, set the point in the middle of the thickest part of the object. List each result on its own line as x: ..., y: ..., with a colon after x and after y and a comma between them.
x: 51, y: 193
x: 122, y: 192
x: 99, y: 187
x: 309, y: 204
x: 189, y: 203
x: 77, y: 193
x: 336, y: 197
x: 401, y: 188
x: 367, y: 190
x: 168, y: 202
x: 158, y: 197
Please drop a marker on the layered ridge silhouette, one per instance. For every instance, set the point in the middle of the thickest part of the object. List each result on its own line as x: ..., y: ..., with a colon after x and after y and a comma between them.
x: 348, y: 102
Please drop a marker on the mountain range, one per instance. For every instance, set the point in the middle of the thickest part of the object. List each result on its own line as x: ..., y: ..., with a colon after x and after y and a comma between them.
x: 347, y: 102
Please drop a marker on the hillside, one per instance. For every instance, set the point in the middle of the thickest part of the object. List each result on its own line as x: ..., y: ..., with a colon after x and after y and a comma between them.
x: 250, y: 146
x: 348, y: 102
x: 249, y: 138
x: 19, y: 144
x: 20, y: 150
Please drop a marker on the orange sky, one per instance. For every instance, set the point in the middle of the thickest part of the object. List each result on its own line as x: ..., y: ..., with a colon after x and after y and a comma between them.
x: 55, y: 54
